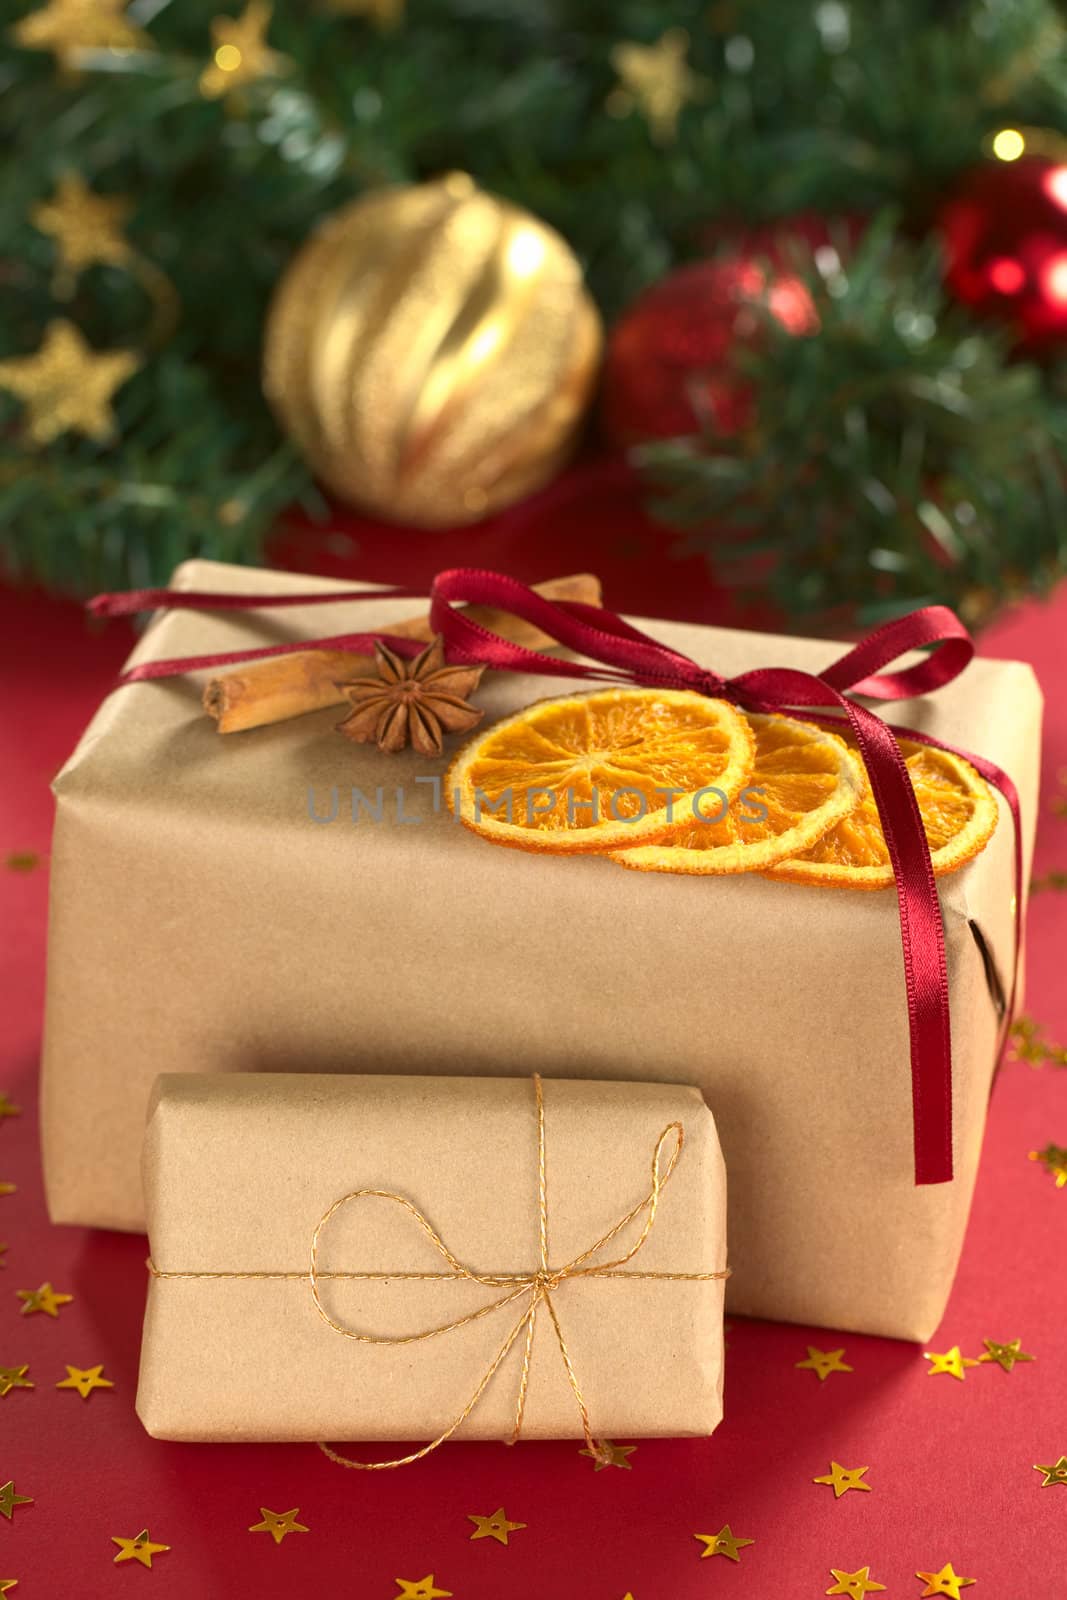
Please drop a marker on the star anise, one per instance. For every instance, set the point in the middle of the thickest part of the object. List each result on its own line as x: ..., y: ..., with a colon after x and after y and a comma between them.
x: 419, y: 700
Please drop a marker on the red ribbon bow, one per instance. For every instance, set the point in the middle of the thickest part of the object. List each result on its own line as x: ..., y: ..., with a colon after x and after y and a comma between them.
x: 625, y: 655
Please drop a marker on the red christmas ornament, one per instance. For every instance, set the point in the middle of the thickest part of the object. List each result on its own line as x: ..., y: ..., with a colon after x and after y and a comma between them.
x: 671, y: 363
x: 1005, y: 239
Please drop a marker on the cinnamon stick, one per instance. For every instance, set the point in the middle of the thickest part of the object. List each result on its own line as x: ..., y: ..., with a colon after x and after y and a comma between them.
x: 288, y: 686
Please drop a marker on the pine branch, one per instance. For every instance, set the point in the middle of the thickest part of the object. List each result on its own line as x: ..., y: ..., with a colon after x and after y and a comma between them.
x: 840, y: 109
x: 895, y: 455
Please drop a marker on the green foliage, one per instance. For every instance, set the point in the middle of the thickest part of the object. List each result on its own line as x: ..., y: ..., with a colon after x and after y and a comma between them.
x: 894, y: 458
x: 832, y: 107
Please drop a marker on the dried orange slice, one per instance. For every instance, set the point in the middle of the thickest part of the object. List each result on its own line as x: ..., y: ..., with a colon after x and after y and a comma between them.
x: 959, y: 812
x: 804, y: 780
x: 530, y: 780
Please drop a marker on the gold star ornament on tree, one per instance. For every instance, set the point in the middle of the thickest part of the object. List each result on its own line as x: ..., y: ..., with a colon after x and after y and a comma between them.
x: 67, y: 386
x: 278, y: 1523
x: 87, y: 229
x: 241, y: 54
x: 139, y: 1549
x: 946, y: 1582
x: 70, y: 28
x: 657, y: 79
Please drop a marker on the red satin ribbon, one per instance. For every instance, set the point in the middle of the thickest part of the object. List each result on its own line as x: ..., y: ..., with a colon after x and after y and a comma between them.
x: 623, y: 654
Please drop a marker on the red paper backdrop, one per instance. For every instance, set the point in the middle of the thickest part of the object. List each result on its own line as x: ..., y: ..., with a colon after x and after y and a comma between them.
x: 951, y: 1464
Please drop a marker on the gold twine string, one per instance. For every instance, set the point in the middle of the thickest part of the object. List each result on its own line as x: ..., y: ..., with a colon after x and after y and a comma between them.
x: 538, y: 1285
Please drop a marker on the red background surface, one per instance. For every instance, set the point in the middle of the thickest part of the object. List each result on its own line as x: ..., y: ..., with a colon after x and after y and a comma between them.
x: 951, y: 1464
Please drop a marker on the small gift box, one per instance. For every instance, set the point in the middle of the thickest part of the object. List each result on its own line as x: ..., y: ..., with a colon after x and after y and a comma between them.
x: 374, y: 1258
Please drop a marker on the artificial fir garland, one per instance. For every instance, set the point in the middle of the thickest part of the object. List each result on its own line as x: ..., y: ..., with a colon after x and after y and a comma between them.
x: 834, y: 109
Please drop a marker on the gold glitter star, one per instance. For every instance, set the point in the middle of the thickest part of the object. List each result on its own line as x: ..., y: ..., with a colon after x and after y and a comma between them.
x: 69, y: 27
x: 279, y: 1523
x: 1054, y: 1157
x: 951, y: 1363
x: 67, y: 385
x: 6, y: 1584
x: 44, y: 1299
x: 842, y: 1479
x: 724, y: 1543
x: 13, y: 1378
x: 823, y: 1362
x: 139, y: 1549
x: 7, y: 1188
x: 1056, y: 1473
x: 1005, y: 1355
x: 6, y: 1107
x: 854, y: 1584
x: 241, y: 54
x: 495, y: 1527
x: 422, y: 1590
x: 944, y: 1582
x: 657, y: 79
x: 86, y: 227
x: 606, y: 1454
x: 85, y: 1380
x: 9, y: 1499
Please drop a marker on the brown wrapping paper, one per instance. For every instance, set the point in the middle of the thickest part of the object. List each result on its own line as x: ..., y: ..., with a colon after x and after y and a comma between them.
x: 201, y: 921
x: 239, y: 1170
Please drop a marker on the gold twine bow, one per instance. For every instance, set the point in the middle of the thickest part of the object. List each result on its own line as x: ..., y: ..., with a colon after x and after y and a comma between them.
x: 537, y: 1286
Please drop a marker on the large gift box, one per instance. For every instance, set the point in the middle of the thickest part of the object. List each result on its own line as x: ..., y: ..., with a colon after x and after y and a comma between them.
x: 280, y: 899
x: 423, y: 1196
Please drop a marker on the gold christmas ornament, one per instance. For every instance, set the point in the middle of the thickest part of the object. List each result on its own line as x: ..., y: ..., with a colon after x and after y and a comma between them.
x: 73, y: 29
x: 432, y: 351
x: 67, y: 386
x: 88, y: 231
x: 87, y: 228
x: 240, y: 52
x: 657, y: 80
